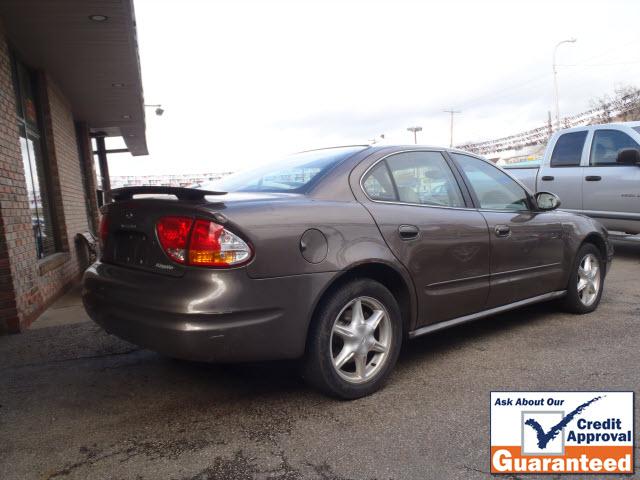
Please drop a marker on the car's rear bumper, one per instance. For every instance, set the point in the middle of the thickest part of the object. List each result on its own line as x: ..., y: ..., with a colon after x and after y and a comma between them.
x: 206, y: 315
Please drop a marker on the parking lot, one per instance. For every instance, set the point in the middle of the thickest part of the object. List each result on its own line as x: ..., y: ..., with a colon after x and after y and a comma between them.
x: 76, y: 403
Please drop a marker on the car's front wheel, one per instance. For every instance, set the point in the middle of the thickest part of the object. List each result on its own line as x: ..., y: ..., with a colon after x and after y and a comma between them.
x: 586, y: 281
x: 354, y: 340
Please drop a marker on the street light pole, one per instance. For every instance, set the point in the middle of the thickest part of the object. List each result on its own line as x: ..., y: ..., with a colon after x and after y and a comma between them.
x: 555, y: 78
x: 452, y: 112
x: 415, y: 131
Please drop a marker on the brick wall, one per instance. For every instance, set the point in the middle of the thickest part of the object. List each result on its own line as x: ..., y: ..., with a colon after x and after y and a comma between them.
x: 28, y: 284
x: 62, y: 146
x: 16, y: 238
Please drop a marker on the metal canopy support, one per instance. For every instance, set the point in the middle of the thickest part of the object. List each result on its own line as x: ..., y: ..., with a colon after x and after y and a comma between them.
x: 101, y: 151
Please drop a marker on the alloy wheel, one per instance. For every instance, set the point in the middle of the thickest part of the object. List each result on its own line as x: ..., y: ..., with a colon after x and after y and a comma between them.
x: 361, y: 338
x: 589, y: 279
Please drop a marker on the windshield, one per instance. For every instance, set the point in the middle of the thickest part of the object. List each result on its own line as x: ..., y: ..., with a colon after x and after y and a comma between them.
x: 291, y: 174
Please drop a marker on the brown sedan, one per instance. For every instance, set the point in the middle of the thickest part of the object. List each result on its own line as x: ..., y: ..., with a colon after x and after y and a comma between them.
x: 336, y: 256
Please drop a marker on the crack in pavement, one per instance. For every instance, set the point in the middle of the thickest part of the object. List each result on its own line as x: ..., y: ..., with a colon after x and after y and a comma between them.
x: 68, y: 360
x: 154, y: 450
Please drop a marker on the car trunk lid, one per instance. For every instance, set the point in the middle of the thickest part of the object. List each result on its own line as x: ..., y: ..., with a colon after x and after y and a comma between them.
x: 131, y: 239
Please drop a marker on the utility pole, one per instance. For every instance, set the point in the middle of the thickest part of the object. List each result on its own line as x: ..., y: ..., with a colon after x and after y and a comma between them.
x: 415, y: 131
x: 451, y: 112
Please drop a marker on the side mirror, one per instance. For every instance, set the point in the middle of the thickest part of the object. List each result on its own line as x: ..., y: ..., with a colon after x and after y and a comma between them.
x: 547, y: 201
x: 628, y: 156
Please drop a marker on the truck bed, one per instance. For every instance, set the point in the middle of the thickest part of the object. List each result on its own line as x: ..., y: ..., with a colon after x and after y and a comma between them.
x: 526, y: 175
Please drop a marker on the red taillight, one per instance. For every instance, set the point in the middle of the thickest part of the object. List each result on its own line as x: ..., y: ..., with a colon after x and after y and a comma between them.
x: 201, y: 243
x: 173, y: 233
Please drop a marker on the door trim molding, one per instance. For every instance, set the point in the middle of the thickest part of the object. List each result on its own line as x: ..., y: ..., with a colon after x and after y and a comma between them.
x: 458, y: 280
x: 485, y: 313
x: 525, y: 269
x: 612, y: 215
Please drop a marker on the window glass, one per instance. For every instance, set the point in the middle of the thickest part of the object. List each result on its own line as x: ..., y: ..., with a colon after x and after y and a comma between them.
x: 34, y: 162
x: 637, y: 129
x: 606, y: 145
x: 424, y: 178
x: 41, y: 220
x: 377, y: 184
x: 568, y: 150
x: 494, y: 189
x: 292, y: 174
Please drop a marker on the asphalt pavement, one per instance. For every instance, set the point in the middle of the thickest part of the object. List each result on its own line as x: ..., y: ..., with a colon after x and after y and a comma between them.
x: 76, y: 403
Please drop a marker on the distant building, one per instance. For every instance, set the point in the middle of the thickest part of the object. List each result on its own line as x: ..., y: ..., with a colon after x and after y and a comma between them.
x: 525, y: 154
x: 184, y: 180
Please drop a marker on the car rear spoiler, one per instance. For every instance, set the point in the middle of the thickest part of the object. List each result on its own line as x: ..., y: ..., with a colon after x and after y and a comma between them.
x: 182, y: 193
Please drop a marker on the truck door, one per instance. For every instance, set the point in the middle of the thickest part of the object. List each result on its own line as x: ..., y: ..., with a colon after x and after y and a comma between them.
x: 611, y: 191
x: 562, y: 173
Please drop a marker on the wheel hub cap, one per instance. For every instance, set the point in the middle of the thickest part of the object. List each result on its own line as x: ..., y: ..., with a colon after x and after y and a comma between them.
x: 589, y: 279
x: 360, y: 339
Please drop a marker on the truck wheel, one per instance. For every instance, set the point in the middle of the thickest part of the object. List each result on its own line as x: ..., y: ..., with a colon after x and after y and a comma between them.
x: 354, y: 340
x: 586, y: 281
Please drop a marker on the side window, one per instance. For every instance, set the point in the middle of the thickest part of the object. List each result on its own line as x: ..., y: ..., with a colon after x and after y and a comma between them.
x: 494, y: 189
x: 378, y: 185
x: 606, y: 145
x: 568, y: 150
x: 425, y: 178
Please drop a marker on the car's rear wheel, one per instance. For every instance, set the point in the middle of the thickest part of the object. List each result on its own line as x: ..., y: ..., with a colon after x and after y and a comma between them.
x: 584, y: 290
x: 354, y: 340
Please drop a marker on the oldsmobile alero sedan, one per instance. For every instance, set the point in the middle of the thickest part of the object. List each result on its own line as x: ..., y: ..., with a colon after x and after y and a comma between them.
x: 336, y: 256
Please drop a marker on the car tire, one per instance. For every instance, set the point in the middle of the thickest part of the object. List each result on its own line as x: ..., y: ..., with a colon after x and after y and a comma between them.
x: 359, y: 324
x: 586, y: 281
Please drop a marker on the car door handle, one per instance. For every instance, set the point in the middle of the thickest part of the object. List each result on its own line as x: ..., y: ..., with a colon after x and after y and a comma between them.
x: 593, y: 178
x: 502, y: 230
x: 548, y: 178
x: 408, y: 232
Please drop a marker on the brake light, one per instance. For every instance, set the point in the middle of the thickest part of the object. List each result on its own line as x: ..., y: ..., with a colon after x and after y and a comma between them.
x: 173, y: 233
x: 201, y: 243
x: 213, y: 246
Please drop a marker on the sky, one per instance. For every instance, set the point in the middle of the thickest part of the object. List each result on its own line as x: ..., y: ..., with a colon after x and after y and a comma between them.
x: 243, y: 82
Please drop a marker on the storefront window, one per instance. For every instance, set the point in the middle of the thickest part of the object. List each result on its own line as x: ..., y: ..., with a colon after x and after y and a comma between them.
x: 33, y: 159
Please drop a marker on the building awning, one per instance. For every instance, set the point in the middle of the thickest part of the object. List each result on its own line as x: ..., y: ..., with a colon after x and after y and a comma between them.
x: 93, y: 60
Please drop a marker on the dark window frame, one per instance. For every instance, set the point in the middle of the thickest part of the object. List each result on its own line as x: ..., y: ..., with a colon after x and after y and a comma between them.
x: 472, y: 192
x: 555, y: 145
x: 35, y: 132
x: 384, y: 166
x: 462, y: 188
x: 593, y: 138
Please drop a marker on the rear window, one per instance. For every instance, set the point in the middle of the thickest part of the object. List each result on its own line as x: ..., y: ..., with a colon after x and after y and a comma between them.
x: 637, y: 129
x: 568, y: 150
x: 292, y: 174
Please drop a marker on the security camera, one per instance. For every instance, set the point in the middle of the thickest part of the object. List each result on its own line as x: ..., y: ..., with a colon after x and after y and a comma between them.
x: 159, y: 111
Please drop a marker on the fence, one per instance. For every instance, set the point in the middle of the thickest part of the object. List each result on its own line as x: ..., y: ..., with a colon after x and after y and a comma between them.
x: 608, y: 112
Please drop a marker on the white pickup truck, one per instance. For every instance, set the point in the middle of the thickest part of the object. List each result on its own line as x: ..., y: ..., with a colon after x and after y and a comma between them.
x: 595, y: 170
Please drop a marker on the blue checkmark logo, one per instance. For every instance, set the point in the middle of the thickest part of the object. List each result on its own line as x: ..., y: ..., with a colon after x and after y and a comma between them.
x: 545, y: 437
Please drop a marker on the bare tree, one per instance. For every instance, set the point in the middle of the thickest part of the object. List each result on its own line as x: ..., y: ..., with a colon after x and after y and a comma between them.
x: 623, y: 105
